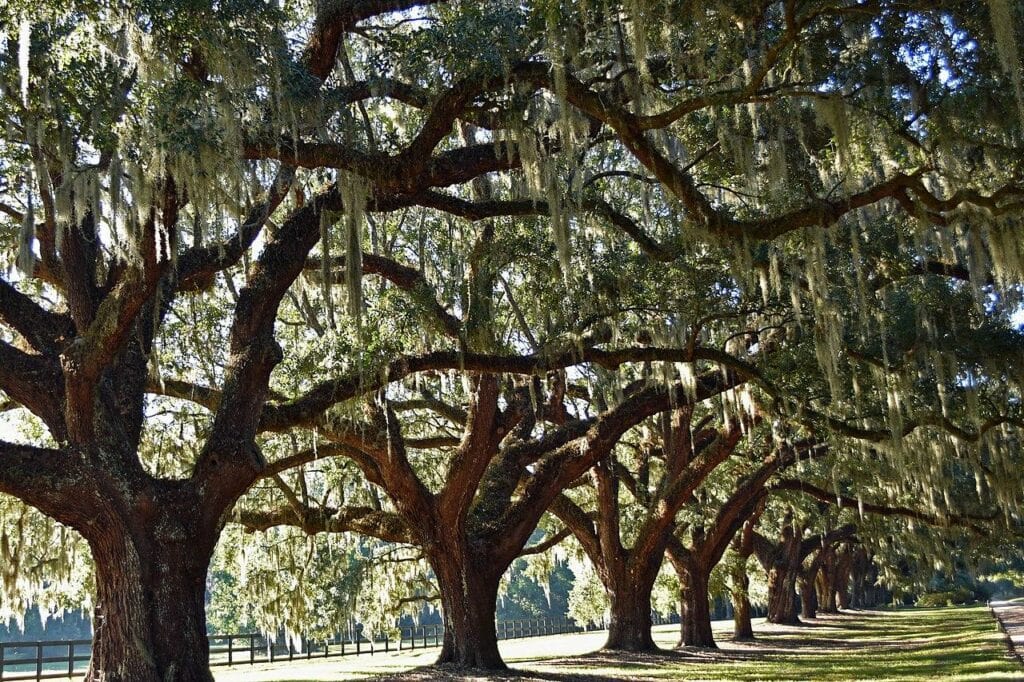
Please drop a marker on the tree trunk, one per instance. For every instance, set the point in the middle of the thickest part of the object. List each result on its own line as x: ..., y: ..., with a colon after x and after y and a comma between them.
x: 826, y: 582
x: 782, y: 597
x: 743, y: 630
x: 858, y: 576
x: 469, y: 595
x: 150, y: 620
x: 842, y: 579
x: 842, y: 595
x: 696, y: 611
x: 630, y: 627
x: 808, y: 598
x: 826, y: 585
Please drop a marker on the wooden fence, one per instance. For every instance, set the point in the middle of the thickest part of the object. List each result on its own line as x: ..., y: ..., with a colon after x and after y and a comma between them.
x: 22, y: 661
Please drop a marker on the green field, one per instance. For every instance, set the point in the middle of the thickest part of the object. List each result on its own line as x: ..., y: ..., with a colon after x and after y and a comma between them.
x: 905, y: 644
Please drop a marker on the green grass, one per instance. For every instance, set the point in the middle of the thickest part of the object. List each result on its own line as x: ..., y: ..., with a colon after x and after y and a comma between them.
x: 958, y: 643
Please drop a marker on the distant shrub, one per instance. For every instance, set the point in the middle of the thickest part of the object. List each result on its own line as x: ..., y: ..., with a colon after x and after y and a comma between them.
x: 960, y: 595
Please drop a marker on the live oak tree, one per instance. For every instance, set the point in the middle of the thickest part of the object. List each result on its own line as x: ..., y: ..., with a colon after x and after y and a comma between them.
x: 709, y: 536
x: 737, y: 560
x: 628, y: 550
x: 783, y: 560
x: 859, y: 162
x: 517, y: 478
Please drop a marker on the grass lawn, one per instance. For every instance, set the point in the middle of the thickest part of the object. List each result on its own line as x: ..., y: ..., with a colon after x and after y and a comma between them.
x: 906, y: 644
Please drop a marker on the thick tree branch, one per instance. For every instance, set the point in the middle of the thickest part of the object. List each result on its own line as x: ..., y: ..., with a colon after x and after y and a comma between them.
x: 47, y: 479
x: 46, y: 331
x: 36, y: 382
x: 336, y: 17
x: 198, y: 265
x: 253, y: 350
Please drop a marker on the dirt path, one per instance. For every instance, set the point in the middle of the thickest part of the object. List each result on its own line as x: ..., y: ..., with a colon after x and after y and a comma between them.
x: 1010, y: 616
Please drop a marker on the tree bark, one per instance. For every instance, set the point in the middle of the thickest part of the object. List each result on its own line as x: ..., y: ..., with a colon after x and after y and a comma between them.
x: 630, y: 626
x: 469, y: 593
x: 858, y: 578
x: 826, y: 587
x: 743, y: 629
x: 150, y: 619
x: 696, y: 610
x: 808, y: 597
x: 782, y: 596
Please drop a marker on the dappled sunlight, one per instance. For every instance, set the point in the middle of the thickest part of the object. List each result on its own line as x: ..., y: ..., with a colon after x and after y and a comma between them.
x: 901, y: 644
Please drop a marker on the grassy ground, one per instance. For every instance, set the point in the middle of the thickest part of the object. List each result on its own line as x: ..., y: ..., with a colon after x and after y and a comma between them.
x: 906, y: 644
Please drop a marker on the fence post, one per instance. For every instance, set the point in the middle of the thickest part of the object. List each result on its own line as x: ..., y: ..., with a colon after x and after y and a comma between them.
x: 39, y: 660
x: 71, y: 659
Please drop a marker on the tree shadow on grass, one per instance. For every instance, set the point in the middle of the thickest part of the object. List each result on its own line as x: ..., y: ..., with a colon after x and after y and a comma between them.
x: 444, y: 673
x: 637, y: 664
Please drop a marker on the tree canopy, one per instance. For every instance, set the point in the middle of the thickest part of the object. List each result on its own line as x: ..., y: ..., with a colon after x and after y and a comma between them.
x: 413, y: 269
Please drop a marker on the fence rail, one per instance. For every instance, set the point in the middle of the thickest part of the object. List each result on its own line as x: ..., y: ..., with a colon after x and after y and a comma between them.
x: 23, y: 661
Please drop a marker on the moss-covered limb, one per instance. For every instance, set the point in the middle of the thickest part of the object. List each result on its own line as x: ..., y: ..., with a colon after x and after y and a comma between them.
x: 745, y: 502
x: 547, y: 543
x: 559, y: 467
x: 580, y: 523
x: 970, y: 521
x: 824, y: 212
x: 79, y: 258
x: 417, y: 505
x: 389, y: 175
x: 304, y: 409
x: 384, y: 525
x: 480, y: 440
x: 337, y: 17
x: 110, y: 328
x: 338, y: 446
x: 421, y: 291
x: 813, y: 543
x: 921, y: 421
x: 456, y: 415
x: 44, y: 478
x: 677, y: 488
x: 198, y: 264
x: 254, y: 350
